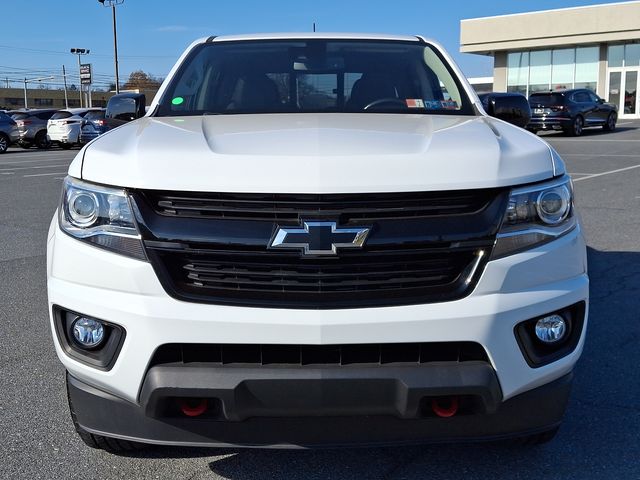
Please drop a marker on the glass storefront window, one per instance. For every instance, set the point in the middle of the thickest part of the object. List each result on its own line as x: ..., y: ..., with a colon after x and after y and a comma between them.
x: 614, y: 87
x: 540, y: 71
x: 563, y: 69
x: 616, y: 55
x: 632, y: 55
x: 518, y: 72
x: 587, y: 59
x: 558, y: 69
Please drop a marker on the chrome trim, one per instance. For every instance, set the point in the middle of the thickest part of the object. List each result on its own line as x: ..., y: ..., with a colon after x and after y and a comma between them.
x: 279, y: 239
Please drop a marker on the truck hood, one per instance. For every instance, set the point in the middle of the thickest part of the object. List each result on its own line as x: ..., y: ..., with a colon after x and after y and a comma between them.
x: 316, y: 153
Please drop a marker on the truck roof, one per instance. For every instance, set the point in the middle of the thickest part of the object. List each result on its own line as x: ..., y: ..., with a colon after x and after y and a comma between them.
x: 312, y: 35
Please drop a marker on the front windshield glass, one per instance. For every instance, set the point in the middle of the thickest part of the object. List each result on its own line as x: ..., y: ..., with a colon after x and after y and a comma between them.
x: 301, y: 76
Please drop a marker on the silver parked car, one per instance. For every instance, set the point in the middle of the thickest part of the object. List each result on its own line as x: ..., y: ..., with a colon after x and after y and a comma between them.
x: 8, y: 132
x: 32, y: 127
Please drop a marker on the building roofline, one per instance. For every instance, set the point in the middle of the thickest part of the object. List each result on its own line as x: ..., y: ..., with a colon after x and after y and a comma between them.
x: 580, y: 7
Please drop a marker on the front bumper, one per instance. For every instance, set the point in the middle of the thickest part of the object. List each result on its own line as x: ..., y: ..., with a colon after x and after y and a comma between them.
x: 529, y: 413
x: 127, y: 292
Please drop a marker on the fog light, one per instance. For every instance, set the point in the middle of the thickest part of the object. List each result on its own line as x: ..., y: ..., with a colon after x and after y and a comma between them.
x: 88, y: 332
x: 551, y: 329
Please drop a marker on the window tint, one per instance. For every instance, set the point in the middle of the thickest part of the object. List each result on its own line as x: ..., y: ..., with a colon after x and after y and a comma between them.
x: 4, y: 118
x: 44, y: 115
x: 547, y: 99
x: 122, y: 108
x: 594, y: 98
x: 313, y: 76
x: 581, y: 97
x: 94, y: 115
x: 20, y: 116
x: 61, y: 114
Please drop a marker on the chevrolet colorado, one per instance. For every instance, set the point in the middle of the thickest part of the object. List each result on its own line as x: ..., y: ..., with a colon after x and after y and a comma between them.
x: 316, y: 240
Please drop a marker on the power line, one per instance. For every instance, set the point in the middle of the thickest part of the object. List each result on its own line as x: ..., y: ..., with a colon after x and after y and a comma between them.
x: 101, y: 55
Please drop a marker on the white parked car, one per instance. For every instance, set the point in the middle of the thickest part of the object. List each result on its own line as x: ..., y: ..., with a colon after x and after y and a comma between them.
x: 64, y: 126
x: 316, y: 239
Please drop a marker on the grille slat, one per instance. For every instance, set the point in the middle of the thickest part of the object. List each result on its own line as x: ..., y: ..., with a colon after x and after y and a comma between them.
x: 290, y: 207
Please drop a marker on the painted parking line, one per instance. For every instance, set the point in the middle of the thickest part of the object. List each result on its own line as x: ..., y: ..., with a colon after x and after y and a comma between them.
x: 43, y: 159
x: 606, y: 173
x: 44, y: 174
x: 617, y: 140
x: 32, y: 167
x: 630, y: 155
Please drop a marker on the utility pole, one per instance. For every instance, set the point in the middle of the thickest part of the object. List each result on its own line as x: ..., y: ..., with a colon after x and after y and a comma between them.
x: 29, y: 80
x: 112, y: 4
x: 64, y: 78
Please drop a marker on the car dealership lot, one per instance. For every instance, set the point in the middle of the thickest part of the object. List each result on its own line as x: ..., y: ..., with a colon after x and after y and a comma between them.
x: 599, y: 438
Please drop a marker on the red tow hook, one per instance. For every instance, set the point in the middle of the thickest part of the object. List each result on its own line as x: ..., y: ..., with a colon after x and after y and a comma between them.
x: 445, y: 407
x: 193, y: 407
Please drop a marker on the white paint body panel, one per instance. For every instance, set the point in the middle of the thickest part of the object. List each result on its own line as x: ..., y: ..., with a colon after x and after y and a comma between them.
x: 317, y: 153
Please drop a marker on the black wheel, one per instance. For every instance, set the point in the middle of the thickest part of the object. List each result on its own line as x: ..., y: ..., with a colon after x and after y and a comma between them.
x: 4, y: 143
x: 537, y: 438
x: 112, y: 445
x: 41, y: 140
x: 575, y: 130
x: 610, y: 126
x: 65, y: 146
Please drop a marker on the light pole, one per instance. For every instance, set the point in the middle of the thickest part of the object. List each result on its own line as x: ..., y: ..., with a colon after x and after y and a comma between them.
x: 112, y: 4
x: 79, y: 52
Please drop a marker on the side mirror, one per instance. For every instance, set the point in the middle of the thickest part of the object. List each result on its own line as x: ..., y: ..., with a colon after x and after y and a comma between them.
x: 601, y: 100
x: 510, y: 107
x: 125, y: 107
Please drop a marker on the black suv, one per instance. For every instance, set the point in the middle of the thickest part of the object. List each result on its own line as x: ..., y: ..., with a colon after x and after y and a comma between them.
x: 571, y: 111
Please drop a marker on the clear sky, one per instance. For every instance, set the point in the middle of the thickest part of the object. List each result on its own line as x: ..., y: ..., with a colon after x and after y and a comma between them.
x: 36, y: 35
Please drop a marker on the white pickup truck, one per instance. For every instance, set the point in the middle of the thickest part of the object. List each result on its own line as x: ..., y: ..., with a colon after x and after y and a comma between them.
x: 317, y: 240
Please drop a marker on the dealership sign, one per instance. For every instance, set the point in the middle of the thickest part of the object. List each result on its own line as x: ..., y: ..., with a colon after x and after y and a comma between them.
x: 85, y: 74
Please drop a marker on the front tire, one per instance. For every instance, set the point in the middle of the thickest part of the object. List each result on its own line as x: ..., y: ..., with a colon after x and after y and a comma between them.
x: 610, y: 126
x: 99, y: 442
x: 4, y: 143
x: 575, y: 130
x: 41, y: 140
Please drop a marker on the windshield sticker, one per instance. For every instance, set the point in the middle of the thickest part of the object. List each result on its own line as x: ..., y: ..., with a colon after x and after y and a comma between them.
x: 177, y: 101
x: 449, y: 104
x: 415, y: 103
x: 432, y: 104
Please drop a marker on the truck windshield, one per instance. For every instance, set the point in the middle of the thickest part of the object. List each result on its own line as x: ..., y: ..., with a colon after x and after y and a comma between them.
x: 301, y: 76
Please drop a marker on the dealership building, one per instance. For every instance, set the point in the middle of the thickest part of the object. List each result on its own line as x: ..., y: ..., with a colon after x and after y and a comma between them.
x: 596, y: 47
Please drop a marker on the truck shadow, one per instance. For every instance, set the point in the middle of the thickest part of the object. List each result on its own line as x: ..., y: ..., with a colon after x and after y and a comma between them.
x: 598, y: 437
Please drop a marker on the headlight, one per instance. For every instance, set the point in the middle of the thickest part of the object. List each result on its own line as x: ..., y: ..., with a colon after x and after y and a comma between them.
x: 536, y: 215
x: 101, y: 216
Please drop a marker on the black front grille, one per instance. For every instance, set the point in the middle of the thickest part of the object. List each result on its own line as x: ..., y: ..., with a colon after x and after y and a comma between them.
x: 213, y: 248
x: 302, y: 355
x: 288, y: 207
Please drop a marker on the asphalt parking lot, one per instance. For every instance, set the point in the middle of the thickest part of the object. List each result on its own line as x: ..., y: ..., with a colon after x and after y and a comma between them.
x: 599, y: 438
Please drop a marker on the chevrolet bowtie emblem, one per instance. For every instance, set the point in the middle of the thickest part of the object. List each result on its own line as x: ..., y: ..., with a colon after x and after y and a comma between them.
x: 319, y: 238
